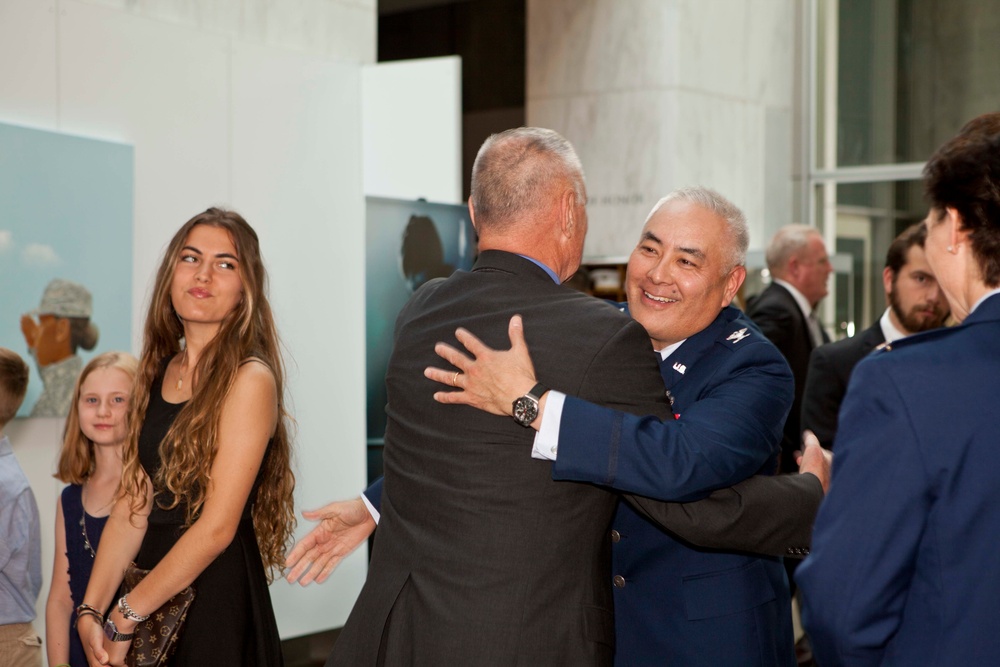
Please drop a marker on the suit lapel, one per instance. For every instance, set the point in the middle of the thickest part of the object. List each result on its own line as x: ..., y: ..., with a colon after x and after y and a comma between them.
x: 791, y: 303
x: 873, y: 337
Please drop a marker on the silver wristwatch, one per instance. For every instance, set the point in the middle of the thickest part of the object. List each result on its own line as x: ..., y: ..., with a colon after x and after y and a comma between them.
x: 111, y: 632
x: 525, y: 408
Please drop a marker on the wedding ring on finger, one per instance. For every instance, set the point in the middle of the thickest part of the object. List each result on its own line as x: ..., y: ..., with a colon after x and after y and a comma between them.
x: 454, y: 380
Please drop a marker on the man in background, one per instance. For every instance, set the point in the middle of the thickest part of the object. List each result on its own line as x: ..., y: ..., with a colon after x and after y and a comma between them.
x: 915, y: 304
x: 785, y: 312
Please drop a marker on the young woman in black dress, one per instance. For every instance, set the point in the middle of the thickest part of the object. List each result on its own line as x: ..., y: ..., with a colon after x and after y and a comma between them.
x: 207, y: 483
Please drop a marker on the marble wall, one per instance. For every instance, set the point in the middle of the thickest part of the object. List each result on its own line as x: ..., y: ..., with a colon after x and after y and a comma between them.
x: 658, y: 94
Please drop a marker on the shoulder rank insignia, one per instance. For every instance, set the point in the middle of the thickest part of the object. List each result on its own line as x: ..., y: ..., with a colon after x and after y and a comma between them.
x: 737, y: 336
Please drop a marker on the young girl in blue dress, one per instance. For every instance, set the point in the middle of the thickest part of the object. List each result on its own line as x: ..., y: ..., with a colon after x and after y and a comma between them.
x: 91, y: 463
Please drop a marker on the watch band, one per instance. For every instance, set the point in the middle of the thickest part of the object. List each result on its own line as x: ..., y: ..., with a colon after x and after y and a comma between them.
x: 537, y: 391
x: 111, y: 632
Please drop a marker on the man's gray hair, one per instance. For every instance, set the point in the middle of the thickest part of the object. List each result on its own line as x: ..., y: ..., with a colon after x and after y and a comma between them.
x: 785, y: 244
x: 710, y: 199
x: 515, y: 173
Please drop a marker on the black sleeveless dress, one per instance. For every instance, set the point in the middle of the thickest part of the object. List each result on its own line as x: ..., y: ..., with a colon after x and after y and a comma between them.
x: 231, y: 621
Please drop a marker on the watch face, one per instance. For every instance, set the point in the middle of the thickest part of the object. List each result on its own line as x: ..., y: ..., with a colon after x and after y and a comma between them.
x: 111, y: 632
x: 525, y: 410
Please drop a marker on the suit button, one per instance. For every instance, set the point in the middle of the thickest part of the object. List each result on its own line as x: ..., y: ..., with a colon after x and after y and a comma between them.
x: 616, y: 537
x: 619, y: 581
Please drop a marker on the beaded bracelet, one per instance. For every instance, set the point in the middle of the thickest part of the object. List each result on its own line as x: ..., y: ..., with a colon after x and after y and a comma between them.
x: 89, y: 611
x: 80, y: 609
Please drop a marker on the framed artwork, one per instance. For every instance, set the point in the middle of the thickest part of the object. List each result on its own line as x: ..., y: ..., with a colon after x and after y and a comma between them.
x: 65, y: 257
x: 407, y: 243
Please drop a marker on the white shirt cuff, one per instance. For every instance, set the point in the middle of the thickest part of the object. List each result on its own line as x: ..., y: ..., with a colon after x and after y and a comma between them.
x: 371, y: 508
x: 547, y: 438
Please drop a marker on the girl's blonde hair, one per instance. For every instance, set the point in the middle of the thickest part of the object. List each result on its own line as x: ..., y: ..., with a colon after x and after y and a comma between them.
x: 188, y: 449
x: 76, y: 460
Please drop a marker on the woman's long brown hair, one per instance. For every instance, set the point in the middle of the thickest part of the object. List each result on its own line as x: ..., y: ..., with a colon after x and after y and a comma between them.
x: 188, y: 450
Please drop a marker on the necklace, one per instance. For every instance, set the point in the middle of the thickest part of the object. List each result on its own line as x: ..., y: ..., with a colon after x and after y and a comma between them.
x: 83, y: 525
x: 86, y: 540
x: 180, y: 371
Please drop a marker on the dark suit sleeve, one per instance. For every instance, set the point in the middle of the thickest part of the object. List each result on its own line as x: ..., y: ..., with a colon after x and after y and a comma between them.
x: 623, y: 375
x: 724, y: 437
x: 855, y: 583
x: 823, y: 395
x: 772, y: 516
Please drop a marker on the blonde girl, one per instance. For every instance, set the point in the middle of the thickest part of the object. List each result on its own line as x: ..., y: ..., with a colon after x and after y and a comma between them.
x: 91, y: 463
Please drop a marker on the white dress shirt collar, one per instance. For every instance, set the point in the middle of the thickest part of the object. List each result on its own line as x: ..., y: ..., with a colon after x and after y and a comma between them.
x: 669, y: 349
x: 889, y: 330
x: 799, y: 298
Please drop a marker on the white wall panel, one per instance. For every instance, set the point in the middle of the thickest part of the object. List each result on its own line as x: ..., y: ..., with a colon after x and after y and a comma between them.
x: 28, y: 94
x: 413, y: 129
x: 296, y: 129
x: 163, y: 89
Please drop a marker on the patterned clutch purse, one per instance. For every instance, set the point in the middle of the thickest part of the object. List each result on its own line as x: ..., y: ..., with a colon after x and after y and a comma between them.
x: 156, y: 638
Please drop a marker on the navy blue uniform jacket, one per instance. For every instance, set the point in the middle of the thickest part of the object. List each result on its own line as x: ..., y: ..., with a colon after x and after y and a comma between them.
x: 903, y: 568
x: 676, y: 604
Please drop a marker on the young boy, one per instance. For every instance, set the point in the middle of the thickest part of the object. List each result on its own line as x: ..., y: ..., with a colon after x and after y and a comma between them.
x: 20, y: 539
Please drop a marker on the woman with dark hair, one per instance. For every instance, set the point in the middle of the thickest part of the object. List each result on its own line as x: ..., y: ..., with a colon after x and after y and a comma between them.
x: 207, y: 484
x: 903, y: 564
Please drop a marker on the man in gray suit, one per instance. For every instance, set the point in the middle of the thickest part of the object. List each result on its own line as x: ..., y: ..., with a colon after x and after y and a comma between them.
x: 481, y: 558
x: 785, y: 312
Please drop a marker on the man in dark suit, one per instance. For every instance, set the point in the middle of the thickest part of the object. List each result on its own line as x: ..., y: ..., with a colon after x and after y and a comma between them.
x: 730, y: 390
x: 915, y: 304
x: 481, y: 558
x: 785, y: 312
